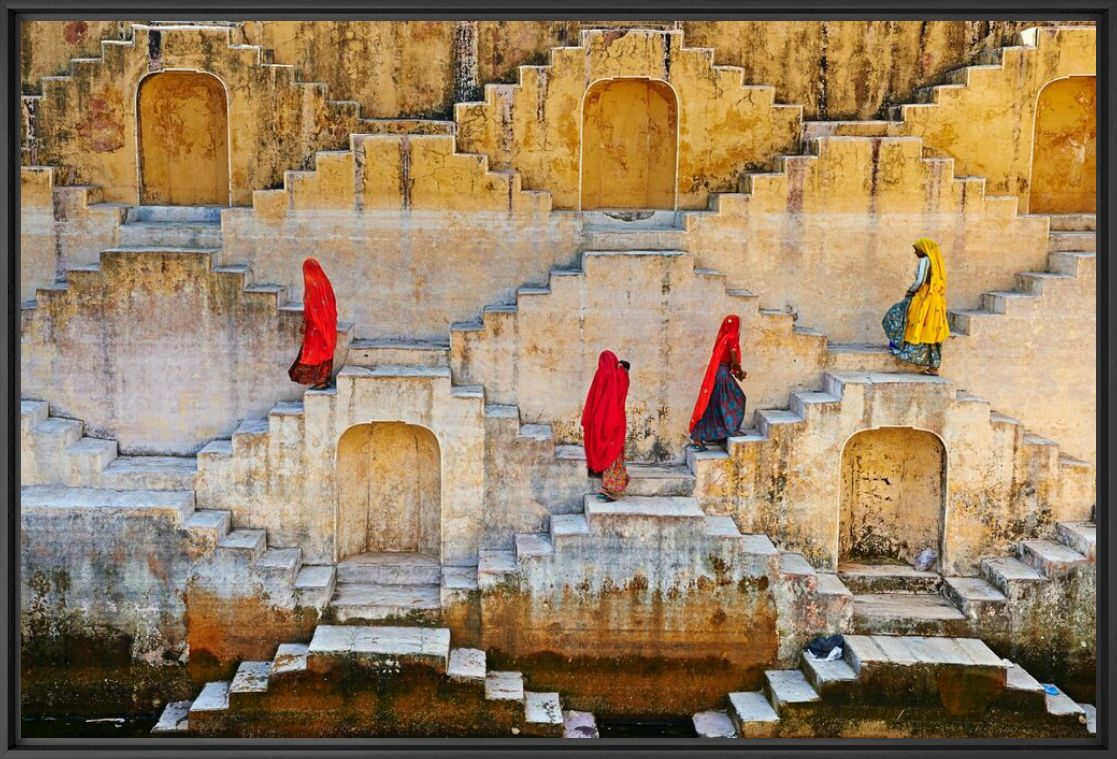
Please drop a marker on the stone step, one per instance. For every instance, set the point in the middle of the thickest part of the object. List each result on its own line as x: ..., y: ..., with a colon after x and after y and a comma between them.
x: 250, y: 543
x: 372, y: 601
x: 529, y: 545
x: 390, y: 569
x: 625, y: 219
x: 213, y: 698
x: 251, y: 677
x: 862, y: 357
x: 658, y: 239
x: 833, y: 680
x: 1022, y: 691
x: 769, y: 419
x: 504, y: 686
x: 314, y: 586
x: 56, y: 435
x: 457, y: 584
x: 1059, y: 704
x: 576, y: 724
x: 201, y: 234
x: 86, y: 460
x: 1051, y: 558
x: 173, y: 214
x: 973, y: 596
x: 466, y: 665
x: 543, y: 710
x: 210, y: 524
x: 289, y: 658
x: 795, y: 565
x: 1072, y: 241
x: 907, y: 614
x: 399, y: 352
x: 1091, y: 718
x: 281, y: 562
x: 716, y: 724
x: 151, y: 473
x: 1081, y: 536
x: 887, y: 578
x: 1073, y: 222
x: 788, y: 688
x: 637, y: 517
x: 1073, y: 263
x: 176, y: 505
x: 371, y: 644
x: 1011, y: 576
x: 174, y: 720
x: 815, y: 129
x: 495, y: 566
x: 752, y: 714
x: 659, y: 480
x: 31, y: 414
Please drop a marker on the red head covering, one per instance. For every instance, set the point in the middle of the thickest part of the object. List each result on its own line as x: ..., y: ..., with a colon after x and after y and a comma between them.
x: 320, y: 314
x: 603, y: 419
x: 728, y: 343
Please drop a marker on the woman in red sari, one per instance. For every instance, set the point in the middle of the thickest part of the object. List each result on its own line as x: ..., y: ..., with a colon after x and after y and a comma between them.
x: 605, y: 427
x: 720, y: 409
x: 315, y: 362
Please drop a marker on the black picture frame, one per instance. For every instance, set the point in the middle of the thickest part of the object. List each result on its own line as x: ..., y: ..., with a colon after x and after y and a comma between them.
x: 15, y: 11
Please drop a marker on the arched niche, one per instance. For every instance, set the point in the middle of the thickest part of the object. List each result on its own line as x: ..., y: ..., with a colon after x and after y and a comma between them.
x: 1064, y: 151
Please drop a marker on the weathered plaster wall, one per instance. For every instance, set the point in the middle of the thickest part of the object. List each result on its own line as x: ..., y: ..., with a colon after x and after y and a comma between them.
x: 159, y: 351
x: 46, y: 47
x: 280, y: 476
x: 535, y: 127
x: 892, y: 495
x: 848, y: 69
x: 425, y: 239
x: 829, y: 238
x: 1000, y: 486
x: 1036, y: 361
x: 1064, y: 157
x: 988, y: 126
x: 87, y: 124
x: 184, y: 151
x: 652, y: 309
x: 389, y: 490
x: 117, y: 569
x: 60, y: 227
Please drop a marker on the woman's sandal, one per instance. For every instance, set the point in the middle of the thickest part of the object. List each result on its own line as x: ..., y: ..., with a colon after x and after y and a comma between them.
x: 698, y: 447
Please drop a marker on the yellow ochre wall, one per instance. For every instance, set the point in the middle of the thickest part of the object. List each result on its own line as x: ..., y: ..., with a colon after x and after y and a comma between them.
x: 1064, y: 159
x: 184, y: 149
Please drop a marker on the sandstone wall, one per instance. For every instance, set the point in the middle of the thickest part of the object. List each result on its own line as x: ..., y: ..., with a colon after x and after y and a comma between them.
x: 829, y: 238
x: 159, y: 351
x: 86, y: 122
x: 536, y: 126
x: 412, y: 236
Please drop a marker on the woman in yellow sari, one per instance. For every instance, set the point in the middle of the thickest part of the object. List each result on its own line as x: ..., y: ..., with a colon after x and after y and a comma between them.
x: 916, y: 326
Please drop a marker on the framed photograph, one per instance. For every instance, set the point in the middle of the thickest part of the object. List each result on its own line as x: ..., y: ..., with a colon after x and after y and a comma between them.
x: 396, y: 379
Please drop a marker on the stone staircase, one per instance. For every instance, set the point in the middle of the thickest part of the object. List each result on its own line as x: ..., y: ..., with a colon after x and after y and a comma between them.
x: 897, y: 599
x: 881, y: 677
x: 1072, y: 253
x: 258, y: 699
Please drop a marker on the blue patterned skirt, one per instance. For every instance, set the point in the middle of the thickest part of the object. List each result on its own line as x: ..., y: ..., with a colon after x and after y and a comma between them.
x: 724, y: 413
x: 895, y: 322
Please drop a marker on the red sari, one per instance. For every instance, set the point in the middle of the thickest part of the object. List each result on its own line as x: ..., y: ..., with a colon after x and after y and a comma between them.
x: 315, y: 362
x: 604, y: 424
x: 727, y: 350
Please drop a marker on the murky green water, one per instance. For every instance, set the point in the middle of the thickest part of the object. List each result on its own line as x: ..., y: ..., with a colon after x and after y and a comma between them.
x: 681, y: 727
x: 79, y: 728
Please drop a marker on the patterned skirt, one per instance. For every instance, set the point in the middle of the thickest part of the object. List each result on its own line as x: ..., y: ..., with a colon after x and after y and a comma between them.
x: 724, y: 413
x: 310, y: 374
x: 614, y: 480
x: 895, y: 322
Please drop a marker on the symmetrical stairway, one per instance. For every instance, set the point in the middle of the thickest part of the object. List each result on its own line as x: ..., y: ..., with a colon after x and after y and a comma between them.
x: 258, y: 700
x: 882, y: 677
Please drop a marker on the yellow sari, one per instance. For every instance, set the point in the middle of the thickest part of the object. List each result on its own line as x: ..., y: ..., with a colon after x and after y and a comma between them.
x: 927, y: 312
